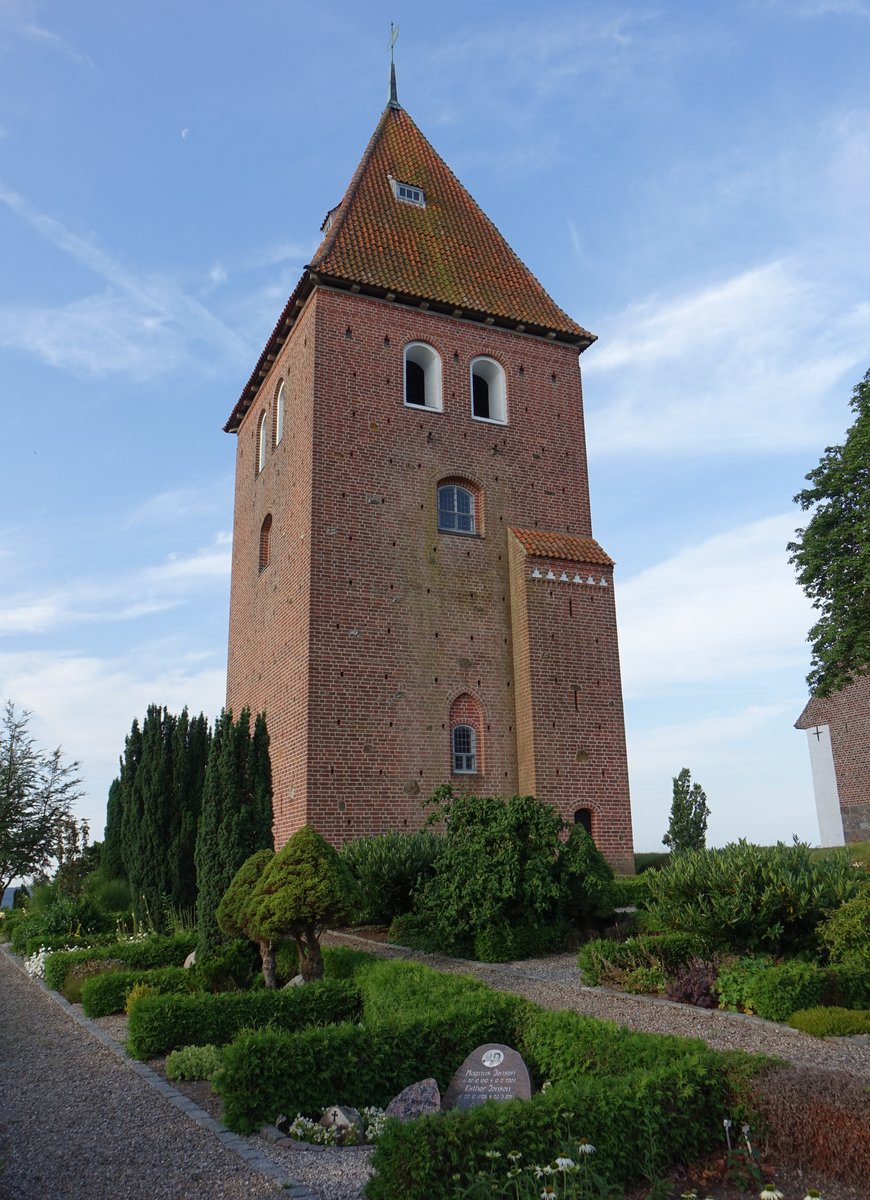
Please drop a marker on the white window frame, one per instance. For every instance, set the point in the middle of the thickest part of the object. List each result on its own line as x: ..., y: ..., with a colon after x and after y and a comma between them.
x: 262, y: 440
x: 454, y: 509
x: 493, y: 372
x: 408, y: 193
x: 464, y: 761
x: 428, y: 358
x: 279, y: 412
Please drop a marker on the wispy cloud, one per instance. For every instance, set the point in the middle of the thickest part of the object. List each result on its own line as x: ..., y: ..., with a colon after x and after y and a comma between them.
x: 87, y: 703
x: 722, y: 368
x: 176, y: 581
x: 165, y: 507
x: 822, y: 8
x: 141, y: 326
x: 727, y: 609
x: 17, y: 19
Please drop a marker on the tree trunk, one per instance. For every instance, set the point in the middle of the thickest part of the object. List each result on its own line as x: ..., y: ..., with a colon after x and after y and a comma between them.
x: 267, y: 954
x: 310, y: 958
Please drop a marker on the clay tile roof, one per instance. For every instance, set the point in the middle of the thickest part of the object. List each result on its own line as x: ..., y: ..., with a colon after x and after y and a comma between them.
x: 563, y: 546
x: 448, y: 251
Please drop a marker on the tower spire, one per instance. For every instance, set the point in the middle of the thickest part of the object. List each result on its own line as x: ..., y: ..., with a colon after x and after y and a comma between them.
x: 394, y: 99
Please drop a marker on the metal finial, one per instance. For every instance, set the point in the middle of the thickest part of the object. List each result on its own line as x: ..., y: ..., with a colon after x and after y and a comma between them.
x: 394, y: 99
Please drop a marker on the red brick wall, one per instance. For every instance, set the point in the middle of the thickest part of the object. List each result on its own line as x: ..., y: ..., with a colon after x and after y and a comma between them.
x: 848, y: 715
x: 400, y: 618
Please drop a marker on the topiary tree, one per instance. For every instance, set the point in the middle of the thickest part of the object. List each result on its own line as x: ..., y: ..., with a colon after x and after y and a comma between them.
x: 305, y: 887
x: 586, y: 878
x: 235, y: 913
x: 687, y: 829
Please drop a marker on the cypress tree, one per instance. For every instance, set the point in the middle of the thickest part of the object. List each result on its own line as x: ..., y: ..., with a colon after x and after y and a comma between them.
x: 152, y: 792
x: 235, y: 817
x: 189, y: 758
x: 131, y: 818
x: 112, y: 860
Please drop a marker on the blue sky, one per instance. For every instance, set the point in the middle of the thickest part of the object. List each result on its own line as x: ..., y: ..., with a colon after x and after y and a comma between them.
x: 690, y: 181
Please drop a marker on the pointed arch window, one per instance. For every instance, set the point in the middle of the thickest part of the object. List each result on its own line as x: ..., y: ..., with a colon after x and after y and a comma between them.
x: 262, y: 441
x: 488, y: 391
x: 279, y: 412
x: 422, y: 373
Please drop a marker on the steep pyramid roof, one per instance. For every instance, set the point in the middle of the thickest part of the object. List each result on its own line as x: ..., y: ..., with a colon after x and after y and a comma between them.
x: 443, y: 252
x: 446, y: 251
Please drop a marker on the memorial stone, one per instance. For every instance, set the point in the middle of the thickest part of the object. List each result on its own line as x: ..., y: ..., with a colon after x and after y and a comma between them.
x: 491, y: 1072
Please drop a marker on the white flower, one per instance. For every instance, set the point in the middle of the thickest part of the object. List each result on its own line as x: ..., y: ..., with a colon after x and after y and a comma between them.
x: 549, y: 1190
x: 492, y: 1154
x: 585, y: 1147
x: 564, y: 1164
x: 770, y: 1192
x: 514, y: 1156
x: 812, y: 1194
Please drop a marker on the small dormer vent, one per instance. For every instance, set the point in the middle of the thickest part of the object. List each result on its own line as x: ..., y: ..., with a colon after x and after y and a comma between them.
x: 408, y: 193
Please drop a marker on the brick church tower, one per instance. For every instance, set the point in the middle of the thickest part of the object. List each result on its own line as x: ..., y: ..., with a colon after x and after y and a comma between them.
x: 416, y: 593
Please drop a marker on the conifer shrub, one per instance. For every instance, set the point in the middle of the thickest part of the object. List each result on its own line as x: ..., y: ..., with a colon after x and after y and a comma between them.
x: 162, y: 1023
x: 106, y: 994
x: 136, y: 993
x: 747, y: 898
x: 389, y: 868
x: 151, y: 952
x: 230, y: 967
x: 506, y: 943
x: 831, y: 1022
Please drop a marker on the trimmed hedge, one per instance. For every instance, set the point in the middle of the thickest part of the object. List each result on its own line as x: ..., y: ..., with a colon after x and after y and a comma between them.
x: 604, y: 961
x: 831, y: 1022
x: 641, y: 1121
x: 138, y: 956
x: 396, y: 991
x: 161, y: 1023
x: 103, y: 995
x: 631, y: 891
x: 266, y: 1073
x: 776, y: 992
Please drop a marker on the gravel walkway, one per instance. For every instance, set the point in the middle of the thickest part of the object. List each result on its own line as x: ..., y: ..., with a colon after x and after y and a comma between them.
x: 77, y: 1123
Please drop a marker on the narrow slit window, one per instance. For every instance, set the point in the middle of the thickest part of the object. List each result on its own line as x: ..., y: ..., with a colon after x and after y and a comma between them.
x: 279, y: 413
x: 262, y: 441
x: 265, y: 542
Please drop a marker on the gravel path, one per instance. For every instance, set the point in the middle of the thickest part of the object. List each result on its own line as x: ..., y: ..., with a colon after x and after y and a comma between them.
x: 78, y: 1124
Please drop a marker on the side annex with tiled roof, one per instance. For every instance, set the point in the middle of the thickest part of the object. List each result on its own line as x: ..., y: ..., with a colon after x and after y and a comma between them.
x: 432, y: 606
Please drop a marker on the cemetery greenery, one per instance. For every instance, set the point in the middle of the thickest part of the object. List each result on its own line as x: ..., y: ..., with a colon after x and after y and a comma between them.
x: 830, y: 554
x: 779, y: 931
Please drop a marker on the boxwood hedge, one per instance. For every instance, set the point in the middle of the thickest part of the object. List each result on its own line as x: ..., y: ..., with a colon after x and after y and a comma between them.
x: 106, y: 994
x: 140, y: 956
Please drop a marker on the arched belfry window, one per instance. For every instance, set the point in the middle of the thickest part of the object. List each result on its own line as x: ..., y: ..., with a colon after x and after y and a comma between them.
x: 422, y: 376
x: 265, y: 542
x: 262, y: 441
x: 279, y: 412
x: 465, y: 727
x: 457, y: 509
x: 488, y: 391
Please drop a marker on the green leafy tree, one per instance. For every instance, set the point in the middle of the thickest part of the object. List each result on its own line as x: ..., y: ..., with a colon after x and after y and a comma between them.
x: 305, y: 887
x: 37, y: 793
x: 687, y: 829
x: 832, y: 554
x: 235, y: 818
x: 237, y: 911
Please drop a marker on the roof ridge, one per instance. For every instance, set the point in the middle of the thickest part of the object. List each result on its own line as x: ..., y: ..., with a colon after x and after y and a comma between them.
x: 343, y: 207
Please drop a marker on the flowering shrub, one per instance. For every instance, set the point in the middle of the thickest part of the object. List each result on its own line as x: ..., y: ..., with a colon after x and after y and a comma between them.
x: 35, y: 963
x: 304, y: 1129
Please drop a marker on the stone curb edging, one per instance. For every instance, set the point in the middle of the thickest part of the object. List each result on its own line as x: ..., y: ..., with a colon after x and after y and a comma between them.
x: 511, y: 971
x: 254, y: 1158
